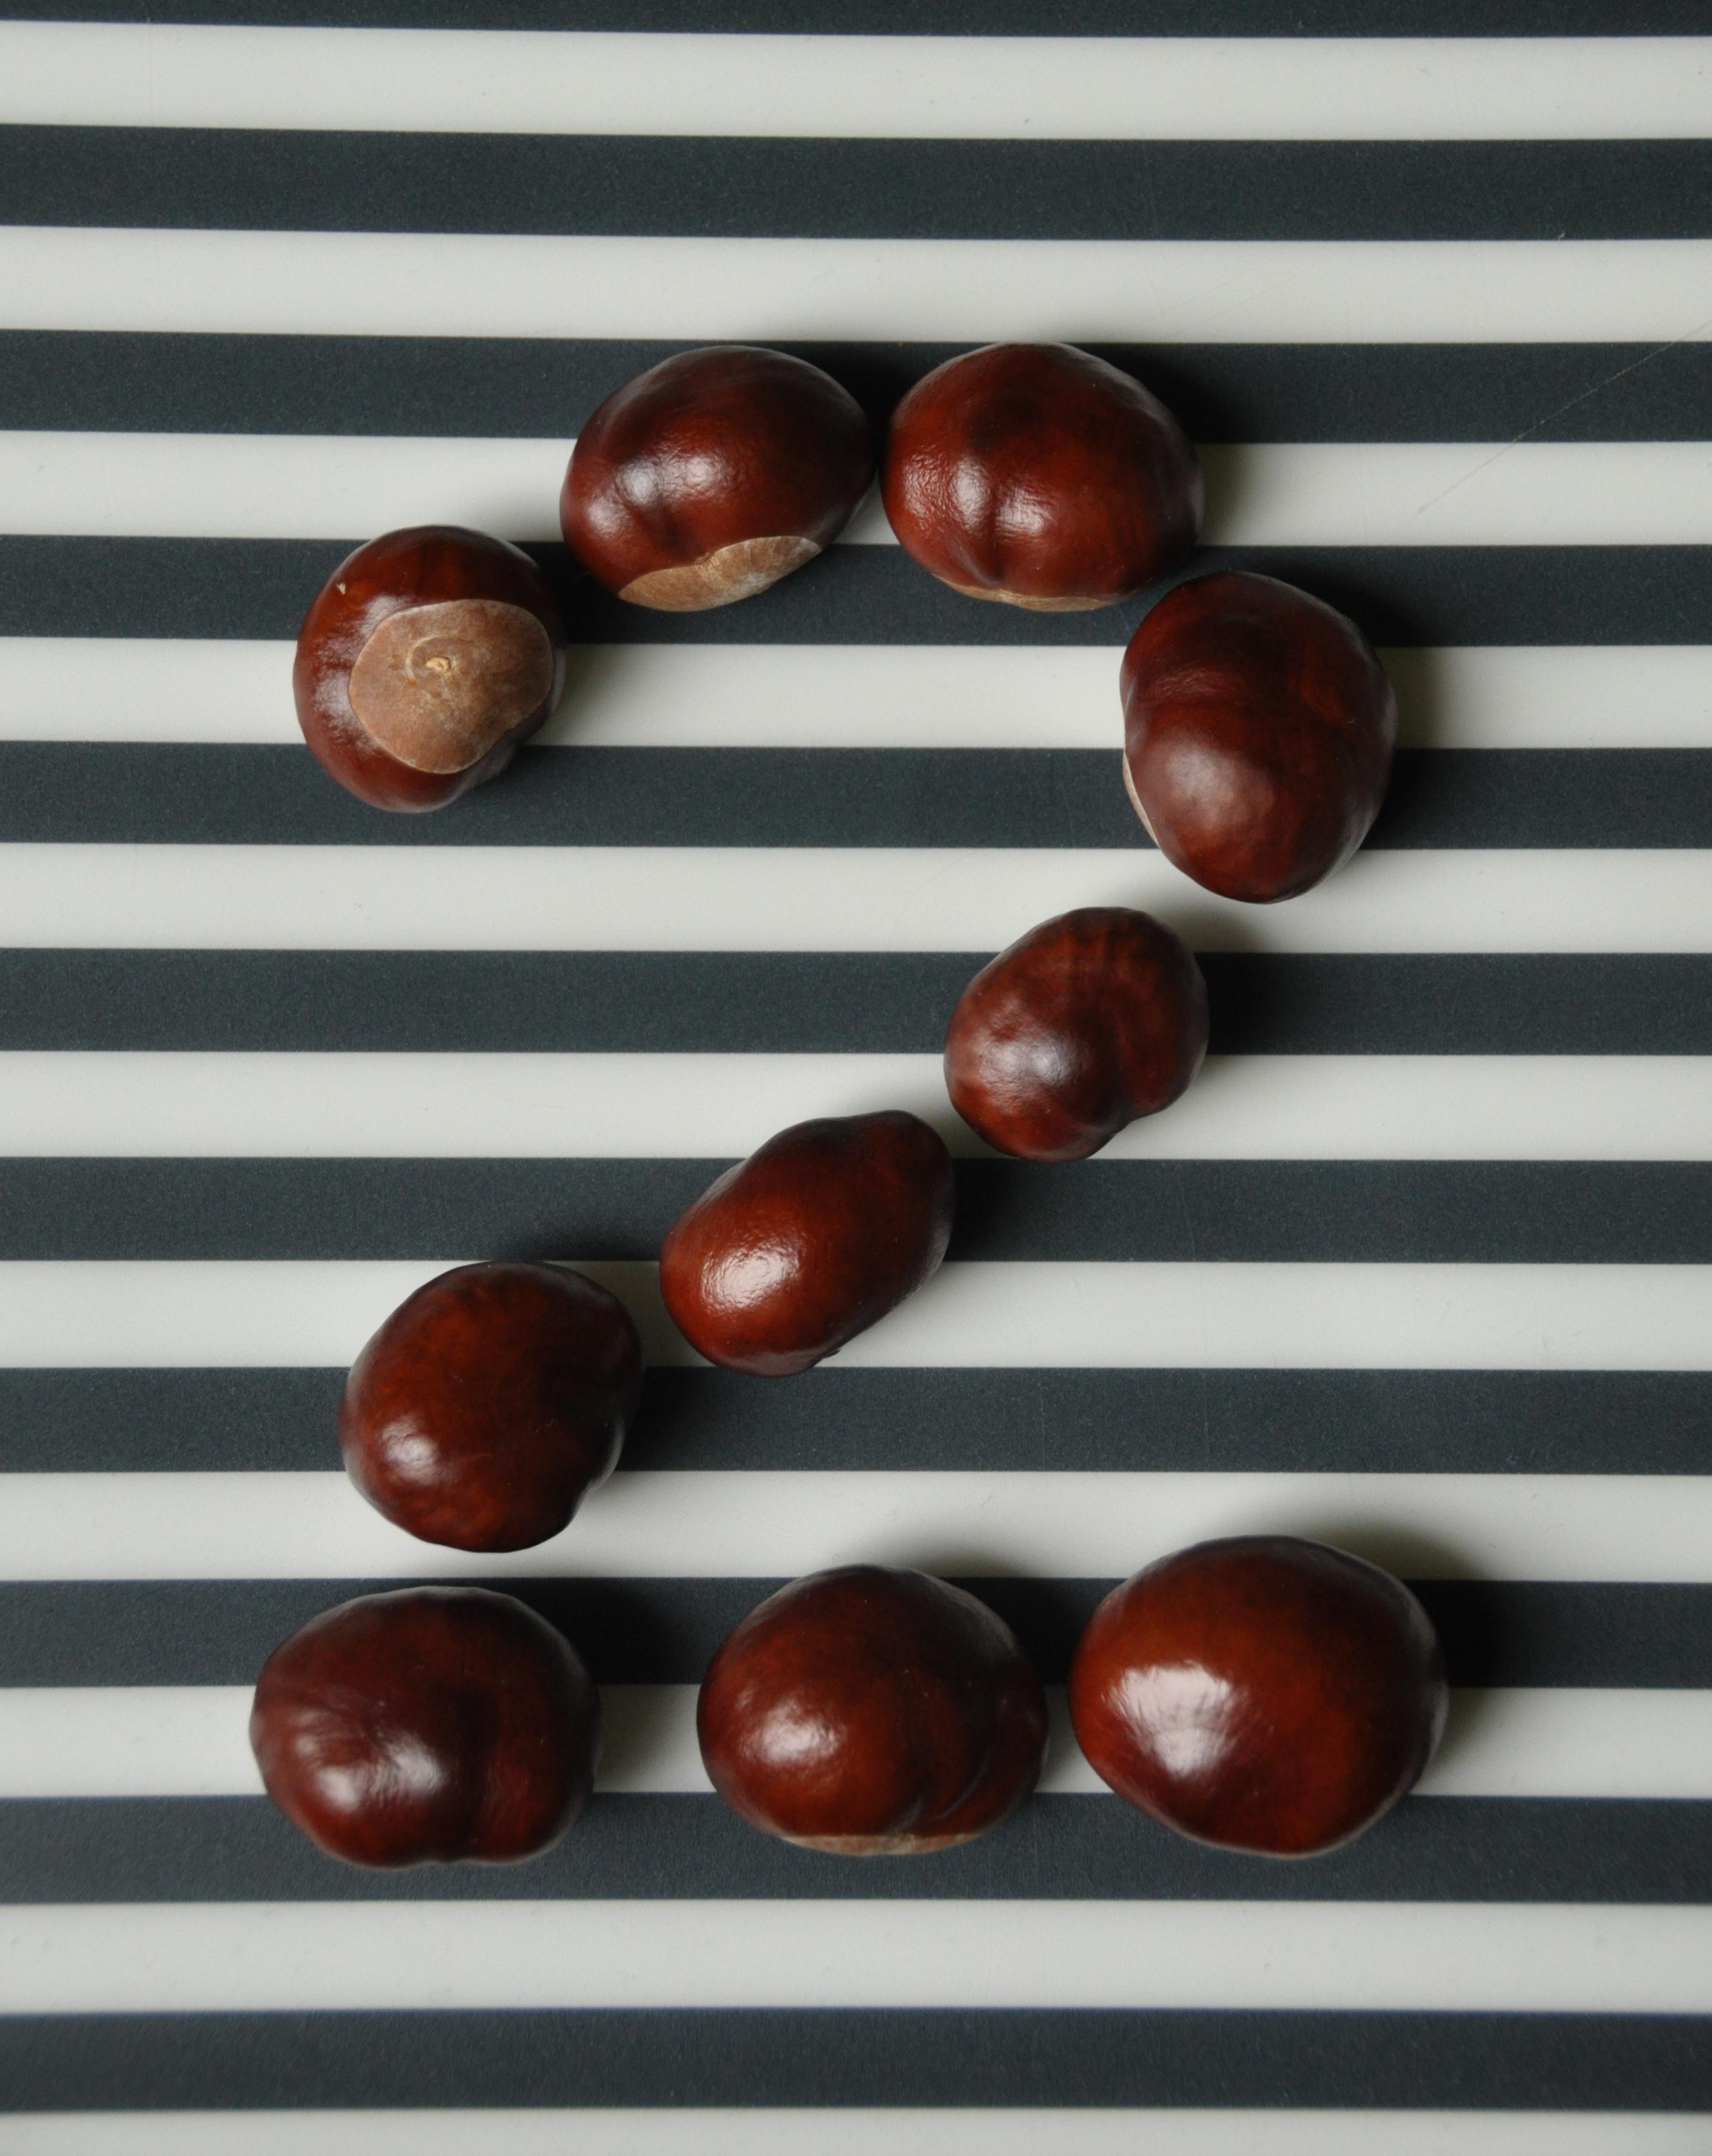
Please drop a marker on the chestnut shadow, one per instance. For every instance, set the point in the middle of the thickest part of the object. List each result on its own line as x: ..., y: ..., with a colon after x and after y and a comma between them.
x: 1418, y: 674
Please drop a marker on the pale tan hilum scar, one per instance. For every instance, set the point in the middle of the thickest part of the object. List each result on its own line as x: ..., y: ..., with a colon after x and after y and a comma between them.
x: 437, y: 686
x: 737, y: 572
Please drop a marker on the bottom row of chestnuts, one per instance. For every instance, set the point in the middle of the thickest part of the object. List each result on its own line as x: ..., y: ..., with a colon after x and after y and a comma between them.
x: 1264, y: 1694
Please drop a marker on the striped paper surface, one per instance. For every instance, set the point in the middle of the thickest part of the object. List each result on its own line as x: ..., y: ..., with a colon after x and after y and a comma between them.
x: 1422, y: 1264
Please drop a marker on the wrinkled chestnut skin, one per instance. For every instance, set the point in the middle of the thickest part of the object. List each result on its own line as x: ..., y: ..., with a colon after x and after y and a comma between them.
x: 425, y: 1727
x: 1038, y: 475
x: 1258, y: 728
x: 491, y: 1403
x: 713, y: 475
x: 1082, y: 1025
x: 410, y: 713
x: 1265, y: 1693
x: 869, y: 1712
x: 819, y: 1232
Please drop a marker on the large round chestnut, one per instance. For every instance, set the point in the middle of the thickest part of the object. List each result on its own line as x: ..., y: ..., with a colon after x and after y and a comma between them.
x: 1258, y: 727
x: 1038, y: 475
x: 491, y: 1403
x: 1265, y: 1693
x: 809, y: 1241
x: 427, y: 657
x: 427, y: 1726
x: 713, y: 475
x: 869, y: 1712
x: 1082, y: 1025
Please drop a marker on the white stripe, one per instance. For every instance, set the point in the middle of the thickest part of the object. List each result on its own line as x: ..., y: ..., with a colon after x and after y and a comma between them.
x: 1327, y: 494
x: 191, y: 1741
x: 776, y: 1524
x: 1361, y: 89
x: 875, y: 899
x: 147, y: 1314
x: 94, y: 1103
x: 1373, y: 1956
x: 759, y: 695
x: 774, y: 291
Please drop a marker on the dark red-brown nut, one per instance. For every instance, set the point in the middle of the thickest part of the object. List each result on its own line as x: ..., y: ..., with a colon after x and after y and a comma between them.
x: 713, y: 475
x: 491, y: 1403
x: 1038, y: 475
x: 427, y: 657
x: 809, y: 1241
x: 1265, y: 1693
x: 1258, y: 728
x: 869, y: 1712
x: 422, y: 1727
x: 1085, y: 1024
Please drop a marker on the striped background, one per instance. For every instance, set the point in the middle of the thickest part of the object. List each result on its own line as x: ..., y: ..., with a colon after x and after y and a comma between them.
x: 1422, y: 1264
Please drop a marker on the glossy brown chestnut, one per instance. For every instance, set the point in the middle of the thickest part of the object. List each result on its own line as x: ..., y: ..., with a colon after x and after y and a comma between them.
x: 491, y: 1403
x: 713, y: 475
x: 427, y: 657
x: 869, y: 1712
x: 819, y: 1232
x: 420, y: 1727
x: 1265, y: 1693
x: 1082, y: 1025
x: 1259, y: 729
x: 1038, y: 475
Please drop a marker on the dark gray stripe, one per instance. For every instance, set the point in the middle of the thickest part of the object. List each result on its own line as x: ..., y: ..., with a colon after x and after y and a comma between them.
x: 300, y: 180
x: 130, y: 793
x: 665, y: 1631
x: 826, y: 1003
x: 1417, y: 1422
x: 239, y: 1849
x: 1399, y: 595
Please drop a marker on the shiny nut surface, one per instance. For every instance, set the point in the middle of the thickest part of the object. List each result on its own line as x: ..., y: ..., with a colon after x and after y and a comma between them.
x: 424, y: 1726
x: 1265, y: 1693
x: 427, y: 656
x: 1259, y: 730
x: 819, y: 1232
x: 1082, y: 1025
x: 713, y: 475
x: 1038, y: 475
x: 491, y: 1403
x: 871, y: 1712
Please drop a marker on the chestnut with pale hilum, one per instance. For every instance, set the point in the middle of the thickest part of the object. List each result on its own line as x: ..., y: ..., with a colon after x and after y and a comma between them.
x: 1039, y: 475
x: 426, y: 660
x: 808, y: 1242
x: 1265, y: 1693
x: 1259, y: 729
x: 431, y: 1726
x: 713, y: 475
x: 1084, y: 1024
x: 491, y: 1403
x: 868, y: 1712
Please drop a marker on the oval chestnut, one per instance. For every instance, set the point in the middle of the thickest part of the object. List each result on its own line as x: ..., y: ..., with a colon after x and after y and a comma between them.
x: 713, y: 475
x: 1265, y: 1693
x: 427, y: 1726
x: 427, y: 656
x: 491, y: 1403
x: 809, y: 1241
x: 1038, y: 475
x: 871, y: 1712
x: 1258, y: 727
x: 1082, y: 1025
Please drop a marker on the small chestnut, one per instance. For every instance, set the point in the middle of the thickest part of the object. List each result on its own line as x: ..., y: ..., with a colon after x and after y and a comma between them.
x: 713, y: 475
x: 1265, y: 1693
x: 427, y: 657
x: 871, y: 1712
x: 1040, y: 475
x: 809, y: 1241
x: 491, y: 1403
x: 1259, y: 729
x: 426, y: 1725
x: 1082, y: 1025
